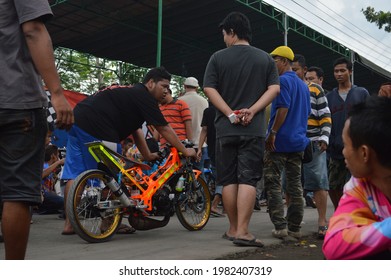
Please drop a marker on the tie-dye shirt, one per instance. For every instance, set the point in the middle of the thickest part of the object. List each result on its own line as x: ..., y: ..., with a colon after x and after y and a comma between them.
x: 361, y: 225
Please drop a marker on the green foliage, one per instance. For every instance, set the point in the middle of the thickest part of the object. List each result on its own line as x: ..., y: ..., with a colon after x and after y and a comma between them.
x: 86, y: 74
x: 380, y: 18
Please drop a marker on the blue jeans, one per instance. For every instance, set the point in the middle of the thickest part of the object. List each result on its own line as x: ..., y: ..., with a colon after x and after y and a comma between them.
x: 52, y: 203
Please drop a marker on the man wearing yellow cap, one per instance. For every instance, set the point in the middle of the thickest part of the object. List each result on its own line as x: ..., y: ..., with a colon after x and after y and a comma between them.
x: 285, y: 142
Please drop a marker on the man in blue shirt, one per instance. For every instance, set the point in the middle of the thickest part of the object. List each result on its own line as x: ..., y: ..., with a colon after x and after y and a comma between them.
x: 285, y: 142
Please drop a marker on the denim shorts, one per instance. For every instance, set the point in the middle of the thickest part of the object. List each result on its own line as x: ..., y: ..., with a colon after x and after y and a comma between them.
x: 239, y: 160
x: 315, y: 172
x: 22, y: 149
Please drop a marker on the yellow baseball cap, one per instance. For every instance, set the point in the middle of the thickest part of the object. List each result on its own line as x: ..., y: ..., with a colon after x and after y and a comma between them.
x: 283, y: 51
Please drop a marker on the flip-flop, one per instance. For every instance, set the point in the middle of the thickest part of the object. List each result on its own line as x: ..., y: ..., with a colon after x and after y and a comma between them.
x: 124, y: 229
x: 249, y: 243
x: 68, y: 232
x: 322, y: 231
x: 226, y: 236
x: 216, y: 214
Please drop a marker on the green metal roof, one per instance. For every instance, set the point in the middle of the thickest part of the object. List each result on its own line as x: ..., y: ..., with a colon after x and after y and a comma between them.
x: 126, y: 30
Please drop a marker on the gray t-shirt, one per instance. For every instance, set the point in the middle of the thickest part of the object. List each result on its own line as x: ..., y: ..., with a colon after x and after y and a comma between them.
x: 20, y: 84
x: 241, y: 74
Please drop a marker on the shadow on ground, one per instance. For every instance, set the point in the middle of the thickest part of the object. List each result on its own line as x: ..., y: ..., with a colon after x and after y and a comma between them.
x: 307, y: 248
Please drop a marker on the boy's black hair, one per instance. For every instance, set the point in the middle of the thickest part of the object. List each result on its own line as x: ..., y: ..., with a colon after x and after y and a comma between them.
x: 319, y: 71
x: 157, y: 74
x: 49, y: 151
x: 300, y: 59
x: 237, y: 23
x: 370, y: 125
x: 343, y: 60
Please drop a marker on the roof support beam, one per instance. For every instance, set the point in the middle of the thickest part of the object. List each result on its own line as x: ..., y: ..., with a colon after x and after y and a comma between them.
x: 292, y: 24
x: 159, y: 34
x: 57, y: 2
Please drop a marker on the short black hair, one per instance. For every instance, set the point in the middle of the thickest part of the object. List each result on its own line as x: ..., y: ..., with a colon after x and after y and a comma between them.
x: 343, y: 60
x: 370, y: 125
x: 49, y: 151
x: 128, y: 140
x: 239, y: 24
x: 319, y: 71
x: 300, y: 59
x: 157, y: 74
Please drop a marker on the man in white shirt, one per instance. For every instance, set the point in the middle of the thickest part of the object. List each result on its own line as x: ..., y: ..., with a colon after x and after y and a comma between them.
x: 197, y: 105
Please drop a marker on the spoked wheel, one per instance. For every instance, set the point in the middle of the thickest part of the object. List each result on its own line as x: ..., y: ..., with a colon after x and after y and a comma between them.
x: 210, y: 182
x: 193, y: 205
x: 93, y: 210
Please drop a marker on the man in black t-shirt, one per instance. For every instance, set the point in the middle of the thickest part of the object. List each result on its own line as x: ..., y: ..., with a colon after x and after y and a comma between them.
x: 112, y: 115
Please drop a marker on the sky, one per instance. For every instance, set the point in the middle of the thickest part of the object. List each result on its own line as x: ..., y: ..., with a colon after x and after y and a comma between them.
x: 343, y: 21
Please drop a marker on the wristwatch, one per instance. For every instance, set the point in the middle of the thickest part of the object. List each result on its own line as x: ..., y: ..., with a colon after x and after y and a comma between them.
x: 273, y: 132
x: 232, y: 118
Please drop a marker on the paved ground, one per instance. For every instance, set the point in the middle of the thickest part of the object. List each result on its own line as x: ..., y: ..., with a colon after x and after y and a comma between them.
x: 172, y: 242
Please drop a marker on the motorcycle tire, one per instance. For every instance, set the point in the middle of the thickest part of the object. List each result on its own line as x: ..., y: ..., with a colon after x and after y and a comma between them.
x: 92, y: 223
x: 193, y: 205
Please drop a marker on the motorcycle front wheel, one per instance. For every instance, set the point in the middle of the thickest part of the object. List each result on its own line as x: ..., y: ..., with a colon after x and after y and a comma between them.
x: 92, y: 208
x: 193, y: 204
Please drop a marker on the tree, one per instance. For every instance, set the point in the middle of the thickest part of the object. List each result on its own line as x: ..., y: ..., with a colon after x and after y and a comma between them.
x: 86, y: 73
x: 380, y: 18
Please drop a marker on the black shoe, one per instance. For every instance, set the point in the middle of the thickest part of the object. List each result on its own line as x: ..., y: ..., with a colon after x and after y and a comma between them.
x: 257, y: 207
x: 1, y: 239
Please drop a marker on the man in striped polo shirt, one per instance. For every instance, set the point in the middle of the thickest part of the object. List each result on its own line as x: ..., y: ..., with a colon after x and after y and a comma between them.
x: 318, y: 131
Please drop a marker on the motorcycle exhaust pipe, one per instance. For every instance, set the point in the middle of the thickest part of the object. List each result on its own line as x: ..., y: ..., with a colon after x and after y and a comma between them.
x: 140, y: 222
x: 118, y: 192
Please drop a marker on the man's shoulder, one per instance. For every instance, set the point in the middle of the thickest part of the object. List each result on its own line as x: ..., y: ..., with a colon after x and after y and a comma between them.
x: 332, y: 93
x: 180, y: 103
x: 315, y: 89
x: 357, y: 89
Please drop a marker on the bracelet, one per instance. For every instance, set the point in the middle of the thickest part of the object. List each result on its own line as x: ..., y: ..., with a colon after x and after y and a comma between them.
x: 232, y: 118
x: 273, y: 132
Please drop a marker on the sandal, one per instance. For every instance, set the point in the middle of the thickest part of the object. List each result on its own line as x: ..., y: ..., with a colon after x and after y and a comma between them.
x: 322, y: 231
x: 124, y: 229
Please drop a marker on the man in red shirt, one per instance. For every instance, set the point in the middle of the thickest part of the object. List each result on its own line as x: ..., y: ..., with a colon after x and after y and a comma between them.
x: 178, y: 115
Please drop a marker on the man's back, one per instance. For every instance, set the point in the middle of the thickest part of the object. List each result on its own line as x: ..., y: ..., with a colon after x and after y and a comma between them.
x: 197, y: 104
x: 236, y: 67
x: 113, y: 114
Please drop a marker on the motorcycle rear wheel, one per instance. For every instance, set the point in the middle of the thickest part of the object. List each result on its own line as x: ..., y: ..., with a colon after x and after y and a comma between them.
x: 193, y: 205
x: 90, y: 222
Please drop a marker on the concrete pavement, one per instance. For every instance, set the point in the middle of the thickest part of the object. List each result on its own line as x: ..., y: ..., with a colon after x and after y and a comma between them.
x: 172, y: 242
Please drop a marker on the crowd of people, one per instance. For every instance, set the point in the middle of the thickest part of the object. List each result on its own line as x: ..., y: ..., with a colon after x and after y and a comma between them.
x: 327, y: 143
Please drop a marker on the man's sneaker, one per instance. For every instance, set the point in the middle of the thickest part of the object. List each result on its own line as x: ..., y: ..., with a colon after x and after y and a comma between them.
x: 295, y: 234
x: 280, y: 233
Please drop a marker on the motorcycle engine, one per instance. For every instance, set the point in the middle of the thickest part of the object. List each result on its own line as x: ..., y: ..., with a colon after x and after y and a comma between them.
x: 162, y: 204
